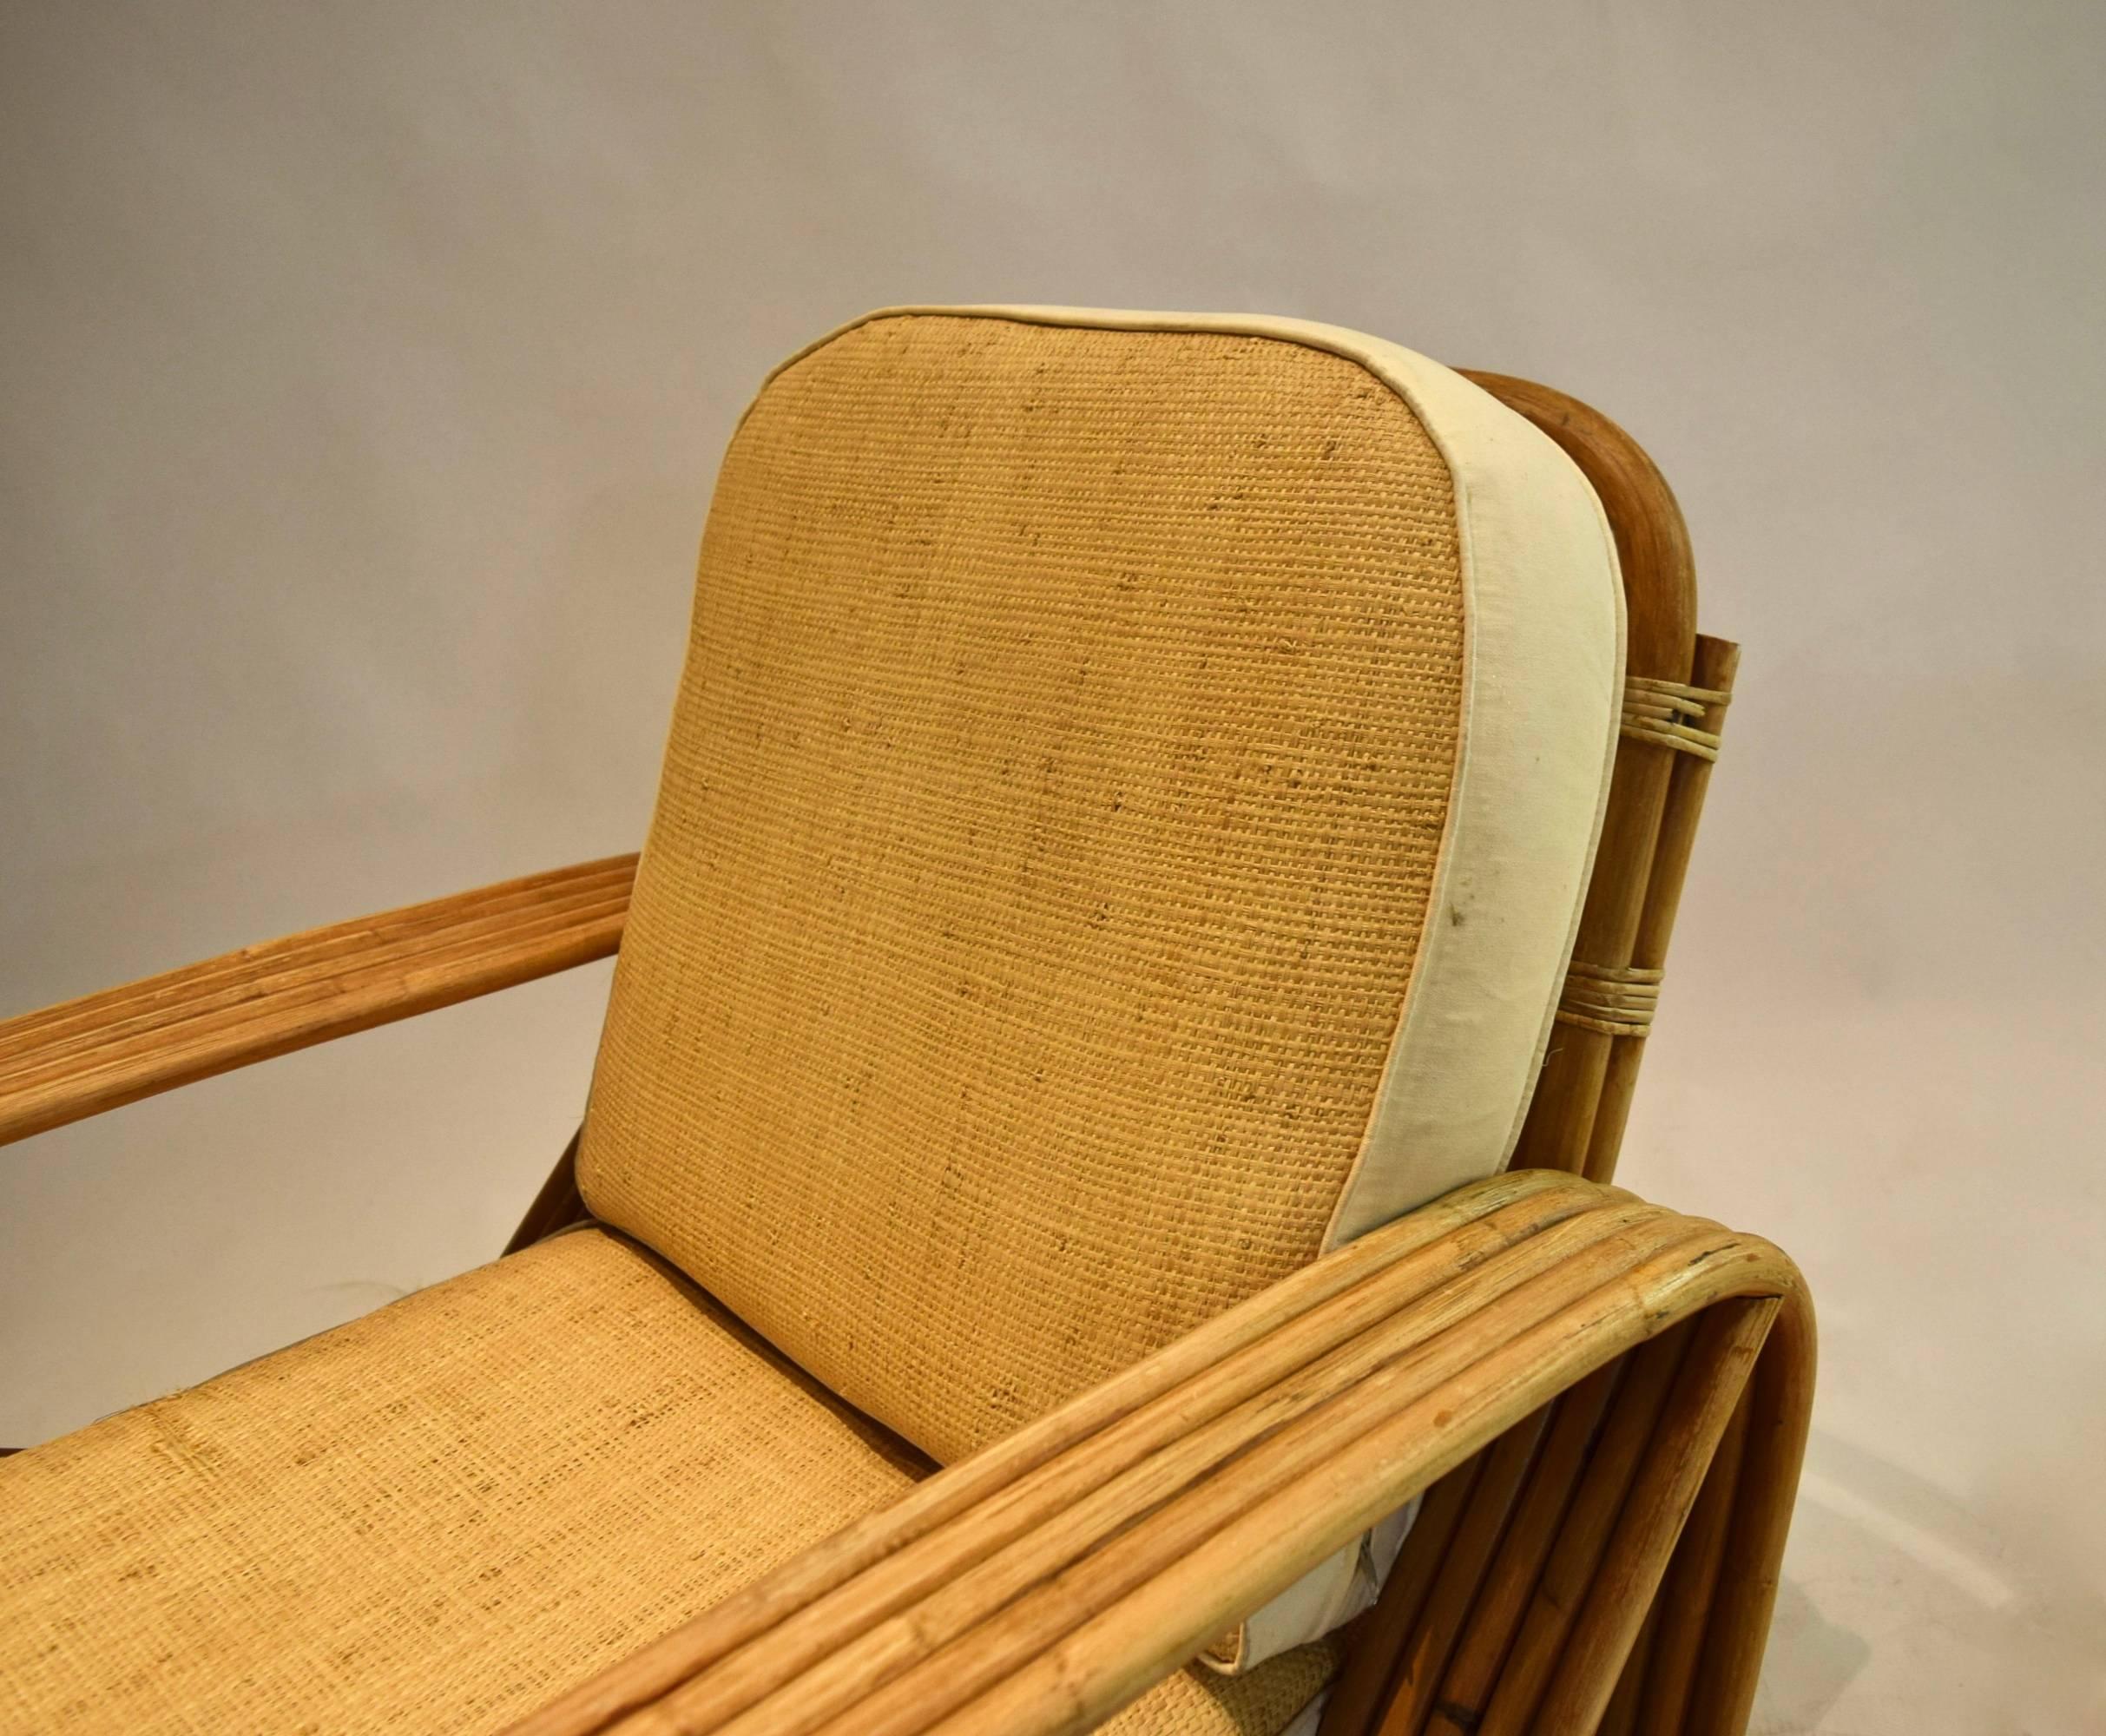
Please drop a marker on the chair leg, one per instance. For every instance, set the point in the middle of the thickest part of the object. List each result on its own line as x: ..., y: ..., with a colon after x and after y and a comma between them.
x: 1561, y: 1596
x: 1530, y: 1596
x: 1508, y: 1462
x: 1660, y: 1698
x: 1474, y: 1670
x: 1780, y: 1403
x: 1728, y: 1338
x: 1375, y: 1656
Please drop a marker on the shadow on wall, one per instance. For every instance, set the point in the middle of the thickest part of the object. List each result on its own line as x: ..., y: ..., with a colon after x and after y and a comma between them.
x: 1901, y: 1610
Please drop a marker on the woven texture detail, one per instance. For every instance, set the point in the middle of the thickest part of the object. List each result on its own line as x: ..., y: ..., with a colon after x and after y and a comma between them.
x: 1051, y: 808
x: 435, y: 1518
x: 442, y: 1515
x: 1199, y: 1702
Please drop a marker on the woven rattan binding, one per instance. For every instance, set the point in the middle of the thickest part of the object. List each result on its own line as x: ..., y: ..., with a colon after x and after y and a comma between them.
x: 1616, y: 1003
x: 1664, y: 713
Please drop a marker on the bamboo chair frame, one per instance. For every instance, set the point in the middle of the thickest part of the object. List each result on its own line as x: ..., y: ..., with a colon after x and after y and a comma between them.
x: 1503, y: 1613
x: 1603, y: 1404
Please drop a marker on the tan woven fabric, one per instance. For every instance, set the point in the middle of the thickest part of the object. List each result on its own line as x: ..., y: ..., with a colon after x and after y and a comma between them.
x: 438, y: 1517
x: 1197, y: 1702
x: 1049, y: 816
x: 435, y: 1517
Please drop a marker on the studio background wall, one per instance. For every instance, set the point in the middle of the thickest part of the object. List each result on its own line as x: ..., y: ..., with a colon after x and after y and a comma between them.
x: 365, y: 372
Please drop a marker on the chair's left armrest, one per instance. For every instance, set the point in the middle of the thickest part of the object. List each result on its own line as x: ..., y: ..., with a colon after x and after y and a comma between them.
x: 81, y: 1057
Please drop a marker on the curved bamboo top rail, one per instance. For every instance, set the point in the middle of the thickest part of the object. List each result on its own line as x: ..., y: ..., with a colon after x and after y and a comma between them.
x: 81, y: 1057
x: 1040, y: 1585
x: 1652, y: 539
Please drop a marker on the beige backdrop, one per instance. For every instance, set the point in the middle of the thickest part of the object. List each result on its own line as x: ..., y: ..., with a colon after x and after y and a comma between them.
x: 365, y: 366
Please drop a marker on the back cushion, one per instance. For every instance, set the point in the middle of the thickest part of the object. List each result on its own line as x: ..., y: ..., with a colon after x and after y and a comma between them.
x: 1095, y: 730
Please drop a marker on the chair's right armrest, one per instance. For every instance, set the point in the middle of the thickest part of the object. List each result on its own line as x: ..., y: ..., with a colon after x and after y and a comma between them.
x: 1040, y: 1585
x: 81, y: 1057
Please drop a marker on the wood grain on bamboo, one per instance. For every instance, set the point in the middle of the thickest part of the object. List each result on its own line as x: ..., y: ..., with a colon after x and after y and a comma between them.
x: 81, y: 1057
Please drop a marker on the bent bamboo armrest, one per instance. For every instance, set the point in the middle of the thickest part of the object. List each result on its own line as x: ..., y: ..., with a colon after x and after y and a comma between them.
x: 1048, y: 1579
x: 81, y: 1057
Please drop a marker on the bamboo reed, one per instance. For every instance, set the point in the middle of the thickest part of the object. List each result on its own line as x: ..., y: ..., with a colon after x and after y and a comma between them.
x: 81, y: 1057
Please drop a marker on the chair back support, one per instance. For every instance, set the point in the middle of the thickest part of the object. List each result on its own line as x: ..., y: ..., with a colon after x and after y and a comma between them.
x: 1582, y: 1100
x: 1124, y: 825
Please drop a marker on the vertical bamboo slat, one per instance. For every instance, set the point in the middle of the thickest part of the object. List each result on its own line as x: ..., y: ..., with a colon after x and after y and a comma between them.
x: 1576, y: 1122
x: 1374, y: 1657
x: 1622, y: 1717
x: 1622, y: 1713
x: 1683, y: 1606
x: 1475, y: 1668
x: 1779, y: 1410
x: 1506, y: 1465
x: 1724, y: 1344
x: 1583, y: 1536
x: 1716, y: 663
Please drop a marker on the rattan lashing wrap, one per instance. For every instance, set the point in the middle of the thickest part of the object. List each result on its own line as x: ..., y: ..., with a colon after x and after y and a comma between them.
x: 1667, y: 713
x: 1050, y: 811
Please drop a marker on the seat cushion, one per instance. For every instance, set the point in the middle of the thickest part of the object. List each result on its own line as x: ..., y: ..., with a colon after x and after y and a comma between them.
x: 440, y: 1516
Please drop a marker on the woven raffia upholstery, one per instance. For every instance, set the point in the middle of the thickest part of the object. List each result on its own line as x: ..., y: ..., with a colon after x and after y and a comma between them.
x: 1048, y: 820
x: 440, y: 1516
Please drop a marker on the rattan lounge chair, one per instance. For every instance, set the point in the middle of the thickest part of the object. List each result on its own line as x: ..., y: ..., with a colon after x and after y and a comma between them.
x: 1132, y: 994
